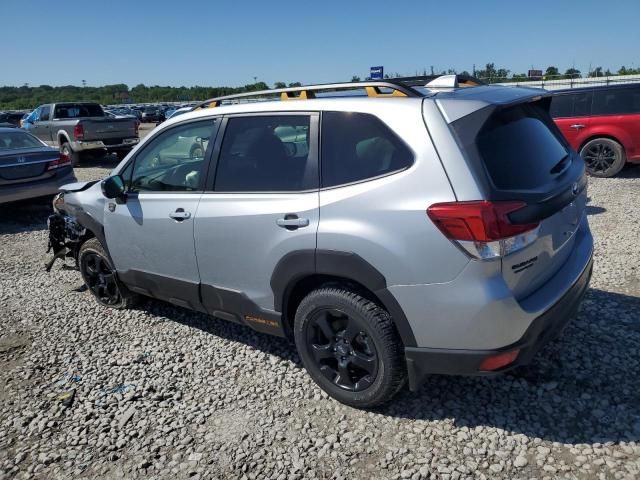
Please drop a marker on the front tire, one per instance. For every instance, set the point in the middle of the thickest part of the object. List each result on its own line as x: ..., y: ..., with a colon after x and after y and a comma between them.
x: 350, y: 347
x: 603, y: 157
x: 100, y: 276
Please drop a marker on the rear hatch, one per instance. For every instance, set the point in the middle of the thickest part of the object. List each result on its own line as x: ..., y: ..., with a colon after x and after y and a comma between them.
x: 517, y: 153
x: 19, y: 166
x: 115, y: 129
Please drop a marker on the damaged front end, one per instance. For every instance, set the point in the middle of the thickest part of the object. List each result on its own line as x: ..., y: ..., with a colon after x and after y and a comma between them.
x: 65, y: 234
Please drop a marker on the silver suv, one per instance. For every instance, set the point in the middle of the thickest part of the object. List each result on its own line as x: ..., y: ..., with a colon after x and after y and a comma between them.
x: 392, y: 231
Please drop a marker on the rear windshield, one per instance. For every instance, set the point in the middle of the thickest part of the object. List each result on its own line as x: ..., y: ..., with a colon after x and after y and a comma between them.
x: 78, y: 110
x: 17, y: 140
x: 521, y: 148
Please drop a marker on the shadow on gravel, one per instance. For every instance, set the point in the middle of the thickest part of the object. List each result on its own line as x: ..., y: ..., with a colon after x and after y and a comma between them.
x: 630, y: 170
x: 593, y: 210
x: 224, y: 329
x: 25, y: 216
x: 584, y: 387
x: 103, y: 161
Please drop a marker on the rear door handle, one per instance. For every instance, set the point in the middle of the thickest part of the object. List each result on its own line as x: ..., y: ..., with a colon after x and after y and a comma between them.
x: 292, y: 222
x: 180, y: 215
x: 577, y: 126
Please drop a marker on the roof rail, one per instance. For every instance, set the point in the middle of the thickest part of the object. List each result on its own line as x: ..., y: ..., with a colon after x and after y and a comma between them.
x: 372, y: 88
x: 422, y: 80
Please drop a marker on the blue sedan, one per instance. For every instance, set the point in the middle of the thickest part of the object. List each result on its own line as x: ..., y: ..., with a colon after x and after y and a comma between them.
x: 29, y: 168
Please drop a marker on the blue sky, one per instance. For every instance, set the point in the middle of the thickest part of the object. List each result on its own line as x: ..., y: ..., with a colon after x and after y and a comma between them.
x: 200, y: 42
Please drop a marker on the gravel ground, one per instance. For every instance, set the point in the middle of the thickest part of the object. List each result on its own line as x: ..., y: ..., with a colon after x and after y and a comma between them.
x: 161, y: 392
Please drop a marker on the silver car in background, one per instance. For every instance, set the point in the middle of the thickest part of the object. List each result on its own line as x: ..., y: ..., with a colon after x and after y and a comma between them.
x: 29, y: 168
x: 391, y: 233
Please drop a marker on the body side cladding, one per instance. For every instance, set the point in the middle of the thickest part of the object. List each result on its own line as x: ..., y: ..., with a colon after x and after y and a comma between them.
x: 173, y: 290
x: 237, y: 307
x: 229, y: 305
x: 297, y: 265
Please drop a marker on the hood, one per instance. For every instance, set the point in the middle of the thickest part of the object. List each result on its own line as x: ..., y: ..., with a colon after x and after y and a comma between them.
x: 77, y: 186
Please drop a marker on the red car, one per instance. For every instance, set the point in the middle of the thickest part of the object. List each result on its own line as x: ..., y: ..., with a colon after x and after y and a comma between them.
x: 602, y: 123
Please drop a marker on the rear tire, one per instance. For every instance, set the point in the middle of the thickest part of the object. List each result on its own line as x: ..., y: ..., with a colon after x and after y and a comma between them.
x: 603, y: 157
x: 121, y: 154
x: 100, y: 277
x: 65, y: 149
x: 350, y: 347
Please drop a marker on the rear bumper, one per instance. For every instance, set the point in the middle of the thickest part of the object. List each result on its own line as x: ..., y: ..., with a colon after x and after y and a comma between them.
x: 99, y: 144
x: 424, y: 361
x: 42, y: 188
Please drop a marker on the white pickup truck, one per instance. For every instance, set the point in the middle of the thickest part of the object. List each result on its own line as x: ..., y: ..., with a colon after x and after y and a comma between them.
x: 80, y: 127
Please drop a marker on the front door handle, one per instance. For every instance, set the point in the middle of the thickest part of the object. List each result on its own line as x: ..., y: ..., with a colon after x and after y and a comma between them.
x: 577, y: 126
x: 292, y: 222
x: 180, y: 215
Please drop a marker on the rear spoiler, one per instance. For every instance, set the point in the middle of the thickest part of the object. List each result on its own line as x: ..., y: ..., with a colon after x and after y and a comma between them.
x: 460, y: 103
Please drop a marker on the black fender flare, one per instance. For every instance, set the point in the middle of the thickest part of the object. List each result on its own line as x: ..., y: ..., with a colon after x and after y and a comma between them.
x: 300, y: 264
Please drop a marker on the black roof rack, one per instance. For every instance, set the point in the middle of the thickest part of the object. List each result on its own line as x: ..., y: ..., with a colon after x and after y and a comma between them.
x: 373, y: 88
x: 399, y: 87
x: 422, y: 80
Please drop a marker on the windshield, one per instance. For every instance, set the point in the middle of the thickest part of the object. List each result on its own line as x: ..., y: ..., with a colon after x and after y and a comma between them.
x: 17, y: 140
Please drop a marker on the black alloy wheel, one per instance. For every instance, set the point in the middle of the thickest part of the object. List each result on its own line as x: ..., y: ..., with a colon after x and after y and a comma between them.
x: 100, y: 279
x: 342, y: 350
x: 603, y: 157
x: 100, y: 276
x: 350, y: 347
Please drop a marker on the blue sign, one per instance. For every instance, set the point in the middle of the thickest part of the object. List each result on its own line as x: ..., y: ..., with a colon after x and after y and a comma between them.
x: 377, y: 73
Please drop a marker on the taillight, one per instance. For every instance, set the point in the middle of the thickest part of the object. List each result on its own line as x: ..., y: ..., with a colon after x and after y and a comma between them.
x: 78, y: 132
x: 62, y: 161
x: 482, y: 228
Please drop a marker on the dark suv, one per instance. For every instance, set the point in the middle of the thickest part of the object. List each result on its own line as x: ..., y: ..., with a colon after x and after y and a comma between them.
x: 602, y: 123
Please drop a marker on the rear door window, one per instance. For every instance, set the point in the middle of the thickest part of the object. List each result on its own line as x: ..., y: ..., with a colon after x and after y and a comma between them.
x: 582, y: 104
x: 359, y: 146
x: 616, y: 101
x: 520, y: 147
x: 267, y: 153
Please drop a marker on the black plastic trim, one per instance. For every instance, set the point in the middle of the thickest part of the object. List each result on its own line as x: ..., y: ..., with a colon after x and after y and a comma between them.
x: 232, y: 304
x: 300, y: 264
x: 426, y: 361
x: 177, y: 291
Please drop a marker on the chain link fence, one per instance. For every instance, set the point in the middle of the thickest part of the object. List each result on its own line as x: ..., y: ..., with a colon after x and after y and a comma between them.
x: 558, y: 82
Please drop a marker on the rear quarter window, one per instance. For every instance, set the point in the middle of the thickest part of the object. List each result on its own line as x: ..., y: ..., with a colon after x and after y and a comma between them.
x: 359, y: 146
x: 616, y: 101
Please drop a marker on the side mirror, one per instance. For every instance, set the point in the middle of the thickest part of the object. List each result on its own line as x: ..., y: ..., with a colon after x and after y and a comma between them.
x: 113, y: 187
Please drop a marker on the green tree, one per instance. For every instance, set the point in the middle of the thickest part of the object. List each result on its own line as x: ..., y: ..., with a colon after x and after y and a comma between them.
x: 572, y: 73
x: 295, y: 84
x: 551, y: 73
x: 279, y: 85
x: 596, y: 72
x: 355, y: 78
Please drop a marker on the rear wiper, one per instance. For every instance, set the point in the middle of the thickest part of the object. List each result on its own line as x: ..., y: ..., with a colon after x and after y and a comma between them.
x: 560, y: 166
